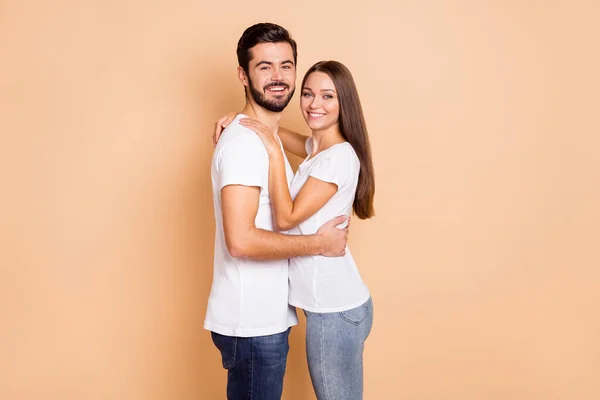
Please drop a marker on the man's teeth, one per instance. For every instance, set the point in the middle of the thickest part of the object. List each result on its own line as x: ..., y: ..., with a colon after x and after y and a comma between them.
x: 276, y: 89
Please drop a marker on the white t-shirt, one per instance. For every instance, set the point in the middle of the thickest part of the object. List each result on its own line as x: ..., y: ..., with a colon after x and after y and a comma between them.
x: 248, y: 297
x: 327, y: 284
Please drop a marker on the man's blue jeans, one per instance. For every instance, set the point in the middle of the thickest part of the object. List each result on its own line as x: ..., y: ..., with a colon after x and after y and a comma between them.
x: 255, y: 365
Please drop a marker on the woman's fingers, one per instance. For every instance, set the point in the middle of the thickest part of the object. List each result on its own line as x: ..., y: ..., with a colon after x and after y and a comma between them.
x: 218, y: 130
x: 231, y: 116
x: 250, y: 122
x: 221, y: 124
x: 264, y: 133
x: 255, y: 126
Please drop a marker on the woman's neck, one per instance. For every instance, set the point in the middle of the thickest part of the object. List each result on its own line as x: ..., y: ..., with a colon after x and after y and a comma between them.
x: 322, y: 140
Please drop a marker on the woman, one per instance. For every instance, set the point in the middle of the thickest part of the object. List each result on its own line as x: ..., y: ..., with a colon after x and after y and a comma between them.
x: 335, y: 177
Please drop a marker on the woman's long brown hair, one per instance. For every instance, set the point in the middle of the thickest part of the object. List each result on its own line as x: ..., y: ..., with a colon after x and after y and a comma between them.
x: 354, y: 130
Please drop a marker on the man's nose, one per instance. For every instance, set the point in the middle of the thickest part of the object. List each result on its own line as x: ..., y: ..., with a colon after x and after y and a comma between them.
x: 277, y: 75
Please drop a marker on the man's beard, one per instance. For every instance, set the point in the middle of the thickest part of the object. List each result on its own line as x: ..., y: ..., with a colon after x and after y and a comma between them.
x: 273, y: 105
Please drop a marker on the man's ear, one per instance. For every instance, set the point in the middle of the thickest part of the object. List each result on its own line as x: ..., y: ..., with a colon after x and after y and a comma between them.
x: 242, y: 76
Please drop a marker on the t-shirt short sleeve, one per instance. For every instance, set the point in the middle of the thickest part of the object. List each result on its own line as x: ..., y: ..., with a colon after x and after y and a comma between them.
x: 334, y: 167
x: 243, y: 161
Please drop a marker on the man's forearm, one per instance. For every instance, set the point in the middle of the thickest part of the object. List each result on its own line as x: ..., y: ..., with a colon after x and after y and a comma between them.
x: 261, y: 244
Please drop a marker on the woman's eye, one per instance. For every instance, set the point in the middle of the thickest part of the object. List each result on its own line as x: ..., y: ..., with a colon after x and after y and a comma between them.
x: 306, y: 94
x: 328, y: 97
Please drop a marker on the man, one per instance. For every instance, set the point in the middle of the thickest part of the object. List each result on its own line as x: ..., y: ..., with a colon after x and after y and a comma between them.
x: 248, y: 312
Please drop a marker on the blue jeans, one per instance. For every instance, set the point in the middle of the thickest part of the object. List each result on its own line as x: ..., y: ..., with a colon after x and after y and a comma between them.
x: 255, y: 365
x: 334, y: 348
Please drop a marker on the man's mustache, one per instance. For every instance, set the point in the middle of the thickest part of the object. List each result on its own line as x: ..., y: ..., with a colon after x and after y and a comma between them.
x: 277, y: 84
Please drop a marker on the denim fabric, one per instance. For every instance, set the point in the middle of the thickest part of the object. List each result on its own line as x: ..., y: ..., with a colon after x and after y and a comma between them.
x: 334, y: 348
x: 255, y: 365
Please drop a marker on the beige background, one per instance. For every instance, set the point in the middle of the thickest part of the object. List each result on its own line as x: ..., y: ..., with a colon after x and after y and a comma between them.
x: 483, y: 259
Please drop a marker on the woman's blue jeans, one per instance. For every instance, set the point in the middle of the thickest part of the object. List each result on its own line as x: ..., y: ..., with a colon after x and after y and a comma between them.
x: 334, y: 348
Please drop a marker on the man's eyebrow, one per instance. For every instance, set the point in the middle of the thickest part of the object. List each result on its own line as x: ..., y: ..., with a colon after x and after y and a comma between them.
x: 264, y: 62
x: 271, y: 63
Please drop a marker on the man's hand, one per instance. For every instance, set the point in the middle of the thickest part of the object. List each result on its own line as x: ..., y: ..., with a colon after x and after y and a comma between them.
x: 334, y: 239
x: 222, y: 124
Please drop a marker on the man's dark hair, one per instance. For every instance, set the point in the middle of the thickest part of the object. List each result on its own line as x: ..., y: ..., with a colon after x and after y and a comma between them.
x: 262, y: 33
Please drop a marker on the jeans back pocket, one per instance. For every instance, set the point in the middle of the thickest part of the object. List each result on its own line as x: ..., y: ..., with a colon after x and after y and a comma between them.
x: 227, y: 346
x: 356, y: 315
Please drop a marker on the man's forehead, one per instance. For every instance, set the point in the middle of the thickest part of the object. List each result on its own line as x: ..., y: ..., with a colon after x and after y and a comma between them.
x: 272, y: 52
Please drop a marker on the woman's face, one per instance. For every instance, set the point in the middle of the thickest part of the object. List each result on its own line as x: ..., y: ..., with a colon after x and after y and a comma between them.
x: 319, y: 102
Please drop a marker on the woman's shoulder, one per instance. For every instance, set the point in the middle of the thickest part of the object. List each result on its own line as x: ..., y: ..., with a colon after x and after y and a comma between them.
x: 343, y: 152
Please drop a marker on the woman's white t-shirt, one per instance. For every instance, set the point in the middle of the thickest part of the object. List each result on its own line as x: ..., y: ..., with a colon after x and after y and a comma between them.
x: 327, y: 284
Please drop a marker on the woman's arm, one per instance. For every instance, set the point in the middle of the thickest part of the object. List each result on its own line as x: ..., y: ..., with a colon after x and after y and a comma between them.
x: 311, y: 198
x: 293, y: 142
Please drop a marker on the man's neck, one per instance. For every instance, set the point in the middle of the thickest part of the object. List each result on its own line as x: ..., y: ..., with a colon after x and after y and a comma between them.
x: 269, y: 118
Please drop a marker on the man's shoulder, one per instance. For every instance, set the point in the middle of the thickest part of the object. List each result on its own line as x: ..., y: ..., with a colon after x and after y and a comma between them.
x: 237, y: 136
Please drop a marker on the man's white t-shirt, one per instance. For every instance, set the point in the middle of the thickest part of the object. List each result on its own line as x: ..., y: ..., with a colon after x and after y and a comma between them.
x: 248, y: 297
x: 327, y: 284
